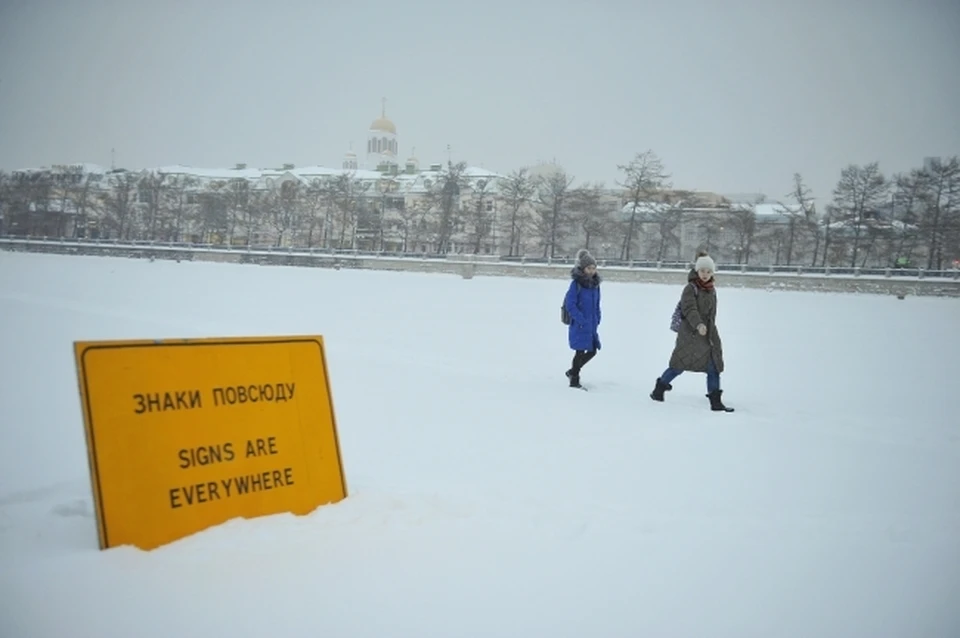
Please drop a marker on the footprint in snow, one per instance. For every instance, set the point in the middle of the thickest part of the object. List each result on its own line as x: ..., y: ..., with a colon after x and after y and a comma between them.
x: 74, y: 508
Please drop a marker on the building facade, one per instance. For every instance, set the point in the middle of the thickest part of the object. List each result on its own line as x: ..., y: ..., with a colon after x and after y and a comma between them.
x: 374, y: 202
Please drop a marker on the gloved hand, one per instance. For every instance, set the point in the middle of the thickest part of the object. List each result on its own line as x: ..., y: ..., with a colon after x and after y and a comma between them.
x: 702, y: 329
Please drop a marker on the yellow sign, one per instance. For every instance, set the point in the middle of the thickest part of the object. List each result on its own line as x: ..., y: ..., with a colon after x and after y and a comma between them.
x: 186, y: 434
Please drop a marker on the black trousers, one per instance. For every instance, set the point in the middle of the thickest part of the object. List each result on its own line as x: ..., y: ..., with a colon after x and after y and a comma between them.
x: 580, y: 359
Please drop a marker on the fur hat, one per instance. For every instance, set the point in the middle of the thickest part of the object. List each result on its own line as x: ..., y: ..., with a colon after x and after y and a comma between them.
x: 705, y: 262
x: 584, y: 259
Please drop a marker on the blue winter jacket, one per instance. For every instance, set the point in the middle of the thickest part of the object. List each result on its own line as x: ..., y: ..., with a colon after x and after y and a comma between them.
x: 582, y: 301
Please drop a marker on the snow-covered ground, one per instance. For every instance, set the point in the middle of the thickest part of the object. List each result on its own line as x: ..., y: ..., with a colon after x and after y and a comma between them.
x: 487, y: 499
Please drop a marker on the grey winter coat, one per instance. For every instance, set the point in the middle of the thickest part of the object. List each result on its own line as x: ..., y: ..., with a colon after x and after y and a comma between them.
x: 692, y: 352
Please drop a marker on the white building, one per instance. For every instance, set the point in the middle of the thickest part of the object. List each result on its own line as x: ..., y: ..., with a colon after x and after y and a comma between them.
x: 388, y: 206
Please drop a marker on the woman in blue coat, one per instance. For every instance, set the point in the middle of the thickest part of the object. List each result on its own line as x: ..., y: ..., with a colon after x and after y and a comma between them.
x: 582, y: 302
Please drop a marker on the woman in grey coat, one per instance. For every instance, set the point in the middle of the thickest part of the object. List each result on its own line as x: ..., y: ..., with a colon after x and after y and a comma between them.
x: 698, y: 347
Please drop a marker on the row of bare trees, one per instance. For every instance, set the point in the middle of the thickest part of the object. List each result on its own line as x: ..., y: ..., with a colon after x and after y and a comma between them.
x: 910, y: 218
x: 163, y: 207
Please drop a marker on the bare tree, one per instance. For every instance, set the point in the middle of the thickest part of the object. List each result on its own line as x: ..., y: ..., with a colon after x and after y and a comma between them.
x: 6, y: 201
x: 479, y: 218
x: 150, y: 192
x: 711, y: 225
x: 330, y: 209
x: 180, y: 195
x: 389, y: 217
x: 211, y: 214
x: 118, y: 205
x: 742, y: 220
x: 877, y: 243
x: 82, y: 195
x: 369, y: 223
x: 516, y: 192
x: 860, y: 191
x: 940, y: 196
x: 17, y: 201
x: 589, y: 212
x: 905, y: 212
x: 408, y: 214
x: 644, y: 181
x: 836, y: 244
x: 444, y: 197
x: 313, y: 198
x: 28, y: 210
x: 666, y: 220
x: 798, y: 214
x: 552, y: 192
x: 832, y: 247
x: 346, y: 191
x: 284, y: 208
x: 257, y: 218
x: 236, y: 201
x: 770, y: 239
x: 61, y: 204
x: 415, y: 218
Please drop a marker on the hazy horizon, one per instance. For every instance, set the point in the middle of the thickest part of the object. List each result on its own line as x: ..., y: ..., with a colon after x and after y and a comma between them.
x: 733, y: 98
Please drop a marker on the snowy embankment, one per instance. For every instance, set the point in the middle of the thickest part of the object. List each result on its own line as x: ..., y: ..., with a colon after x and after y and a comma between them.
x: 487, y: 499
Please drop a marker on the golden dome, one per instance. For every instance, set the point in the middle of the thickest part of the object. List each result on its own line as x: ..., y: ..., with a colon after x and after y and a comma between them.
x: 382, y: 123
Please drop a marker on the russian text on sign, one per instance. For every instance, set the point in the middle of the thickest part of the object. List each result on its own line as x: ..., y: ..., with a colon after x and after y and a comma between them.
x: 157, y: 402
x: 231, y: 395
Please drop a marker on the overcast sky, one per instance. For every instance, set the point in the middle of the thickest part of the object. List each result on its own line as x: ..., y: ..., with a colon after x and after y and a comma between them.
x: 734, y: 96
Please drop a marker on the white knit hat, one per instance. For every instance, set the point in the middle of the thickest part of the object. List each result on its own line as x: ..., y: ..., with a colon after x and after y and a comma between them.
x: 705, y: 262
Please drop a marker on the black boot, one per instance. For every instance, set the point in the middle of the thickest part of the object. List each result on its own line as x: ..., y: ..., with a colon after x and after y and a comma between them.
x: 574, y: 378
x: 716, y: 404
x: 659, y: 389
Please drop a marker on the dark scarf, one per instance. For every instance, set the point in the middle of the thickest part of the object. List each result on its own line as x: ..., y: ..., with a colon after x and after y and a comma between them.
x: 581, y: 278
x: 704, y: 285
x: 694, y: 278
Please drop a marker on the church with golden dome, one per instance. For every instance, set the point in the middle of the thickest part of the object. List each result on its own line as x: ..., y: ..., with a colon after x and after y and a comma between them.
x: 382, y: 148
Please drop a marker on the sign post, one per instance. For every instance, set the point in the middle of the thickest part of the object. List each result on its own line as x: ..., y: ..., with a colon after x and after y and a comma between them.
x: 186, y: 434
